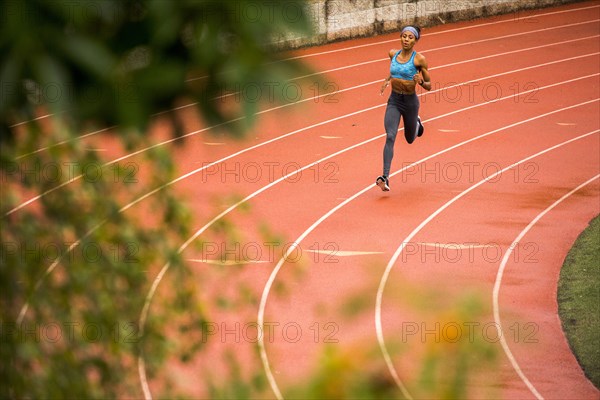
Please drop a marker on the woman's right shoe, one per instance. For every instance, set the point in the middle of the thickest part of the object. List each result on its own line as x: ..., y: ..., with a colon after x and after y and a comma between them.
x: 383, y: 183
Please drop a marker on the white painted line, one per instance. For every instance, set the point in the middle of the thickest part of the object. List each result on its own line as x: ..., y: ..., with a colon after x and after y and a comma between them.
x: 331, y: 137
x: 443, y: 32
x: 345, y: 67
x: 268, y: 285
x: 498, y: 283
x: 35, y: 198
x: 384, y: 278
x: 51, y: 268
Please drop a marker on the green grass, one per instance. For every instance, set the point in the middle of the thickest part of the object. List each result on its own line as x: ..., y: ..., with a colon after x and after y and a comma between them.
x: 579, y: 300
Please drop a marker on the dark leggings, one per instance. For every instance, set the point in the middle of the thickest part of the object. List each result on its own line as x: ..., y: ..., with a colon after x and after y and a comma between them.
x: 407, y: 106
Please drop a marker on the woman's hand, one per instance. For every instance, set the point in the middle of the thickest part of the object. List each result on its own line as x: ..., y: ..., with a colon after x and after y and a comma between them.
x: 418, y: 80
x: 385, y: 85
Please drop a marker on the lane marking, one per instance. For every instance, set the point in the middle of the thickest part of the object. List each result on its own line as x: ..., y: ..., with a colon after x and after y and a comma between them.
x: 498, y: 283
x: 76, y: 178
x: 322, y: 73
x: 51, y: 267
x: 384, y: 278
x: 441, y: 32
x: 268, y: 285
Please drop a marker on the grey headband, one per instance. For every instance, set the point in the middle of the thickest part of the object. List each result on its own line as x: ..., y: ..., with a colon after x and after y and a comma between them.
x: 411, y: 30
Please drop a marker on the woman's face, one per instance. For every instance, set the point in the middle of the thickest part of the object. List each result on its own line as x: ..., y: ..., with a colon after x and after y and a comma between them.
x: 408, y: 40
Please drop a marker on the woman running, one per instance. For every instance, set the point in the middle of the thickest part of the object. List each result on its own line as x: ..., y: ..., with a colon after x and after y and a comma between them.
x: 407, y: 70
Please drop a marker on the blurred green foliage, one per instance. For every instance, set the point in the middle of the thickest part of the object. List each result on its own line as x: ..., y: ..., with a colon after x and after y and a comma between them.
x: 117, y: 62
x: 75, y: 267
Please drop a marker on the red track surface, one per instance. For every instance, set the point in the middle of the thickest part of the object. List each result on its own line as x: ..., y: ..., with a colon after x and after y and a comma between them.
x: 527, y: 100
x: 503, y: 90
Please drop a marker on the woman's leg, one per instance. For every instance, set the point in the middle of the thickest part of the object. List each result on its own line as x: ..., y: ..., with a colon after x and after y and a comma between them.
x: 410, y: 114
x: 391, y: 122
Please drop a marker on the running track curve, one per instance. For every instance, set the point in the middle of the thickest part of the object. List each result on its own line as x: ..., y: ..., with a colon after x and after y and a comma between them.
x: 510, y: 151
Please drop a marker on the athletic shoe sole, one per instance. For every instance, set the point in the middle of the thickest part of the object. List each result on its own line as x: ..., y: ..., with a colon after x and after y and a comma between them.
x: 382, y: 184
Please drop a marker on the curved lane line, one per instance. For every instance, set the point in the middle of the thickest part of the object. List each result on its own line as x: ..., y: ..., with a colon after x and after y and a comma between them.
x: 77, y: 242
x: 260, y: 319
x: 324, y: 72
x: 498, y: 282
x: 396, y: 255
x: 76, y: 178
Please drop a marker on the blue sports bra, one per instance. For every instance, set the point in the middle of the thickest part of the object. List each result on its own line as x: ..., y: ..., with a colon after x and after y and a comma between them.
x: 404, y: 71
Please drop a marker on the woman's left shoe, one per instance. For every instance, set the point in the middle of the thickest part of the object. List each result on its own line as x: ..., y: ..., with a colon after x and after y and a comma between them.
x: 421, y: 127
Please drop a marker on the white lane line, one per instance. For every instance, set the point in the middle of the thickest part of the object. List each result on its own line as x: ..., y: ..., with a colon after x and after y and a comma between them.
x: 440, y: 32
x: 428, y: 34
x: 51, y: 268
x: 461, y: 62
x: 498, y: 283
x: 384, y: 278
x: 206, y: 165
x: 267, y: 288
x: 337, y: 69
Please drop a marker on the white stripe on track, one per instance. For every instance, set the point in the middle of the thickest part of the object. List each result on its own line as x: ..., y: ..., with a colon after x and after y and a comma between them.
x: 51, y: 268
x: 436, y: 33
x: 498, y: 282
x: 384, y: 278
x: 211, y: 127
x: 110, y: 163
x: 159, y: 277
x: 260, y: 318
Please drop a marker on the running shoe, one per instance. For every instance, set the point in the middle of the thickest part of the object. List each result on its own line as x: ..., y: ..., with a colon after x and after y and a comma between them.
x: 383, y: 183
x: 421, y: 128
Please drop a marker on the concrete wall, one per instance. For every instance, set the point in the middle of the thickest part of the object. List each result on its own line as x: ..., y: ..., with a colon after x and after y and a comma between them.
x: 343, y: 19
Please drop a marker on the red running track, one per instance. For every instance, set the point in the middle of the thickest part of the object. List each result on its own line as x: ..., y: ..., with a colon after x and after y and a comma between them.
x: 488, y: 201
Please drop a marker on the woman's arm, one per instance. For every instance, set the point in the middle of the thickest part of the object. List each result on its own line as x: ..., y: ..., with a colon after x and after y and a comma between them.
x: 385, y: 84
x: 423, y: 78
